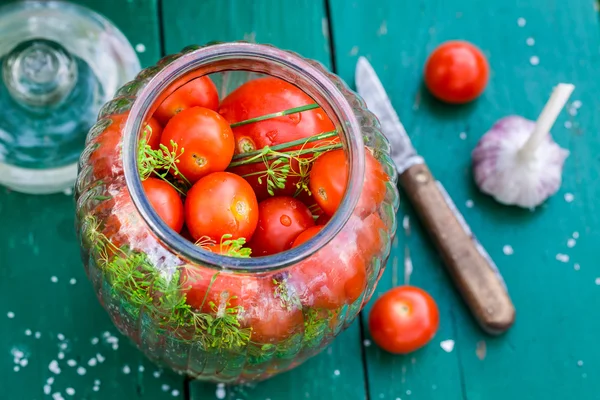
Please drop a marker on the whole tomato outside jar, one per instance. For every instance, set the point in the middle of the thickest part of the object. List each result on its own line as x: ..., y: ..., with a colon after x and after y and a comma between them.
x: 202, y: 306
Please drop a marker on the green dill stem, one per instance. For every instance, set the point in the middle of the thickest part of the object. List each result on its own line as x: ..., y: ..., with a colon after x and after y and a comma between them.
x: 277, y: 114
x: 287, y: 154
x: 166, y: 180
x: 321, y: 136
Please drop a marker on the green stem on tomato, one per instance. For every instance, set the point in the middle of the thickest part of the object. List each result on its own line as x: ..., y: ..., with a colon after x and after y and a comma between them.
x: 275, y: 115
x: 321, y: 136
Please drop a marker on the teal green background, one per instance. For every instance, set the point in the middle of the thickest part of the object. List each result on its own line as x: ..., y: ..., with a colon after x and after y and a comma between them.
x: 550, y: 353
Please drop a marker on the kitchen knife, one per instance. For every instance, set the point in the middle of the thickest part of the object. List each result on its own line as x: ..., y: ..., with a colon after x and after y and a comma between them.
x: 469, y: 265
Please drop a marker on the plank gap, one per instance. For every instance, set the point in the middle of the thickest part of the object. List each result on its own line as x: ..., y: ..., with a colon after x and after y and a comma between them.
x: 161, y: 28
x: 332, y: 55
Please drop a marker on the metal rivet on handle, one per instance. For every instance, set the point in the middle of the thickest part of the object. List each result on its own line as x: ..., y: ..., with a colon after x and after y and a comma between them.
x: 421, y: 177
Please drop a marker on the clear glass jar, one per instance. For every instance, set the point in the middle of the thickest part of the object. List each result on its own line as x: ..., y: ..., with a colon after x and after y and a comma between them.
x: 257, y: 316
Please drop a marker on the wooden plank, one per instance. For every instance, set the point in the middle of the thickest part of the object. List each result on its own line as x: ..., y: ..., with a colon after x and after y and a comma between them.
x: 300, y: 26
x: 54, y: 335
x: 550, y: 352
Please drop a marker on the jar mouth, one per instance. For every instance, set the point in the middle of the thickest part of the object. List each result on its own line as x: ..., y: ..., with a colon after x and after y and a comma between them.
x: 308, y: 76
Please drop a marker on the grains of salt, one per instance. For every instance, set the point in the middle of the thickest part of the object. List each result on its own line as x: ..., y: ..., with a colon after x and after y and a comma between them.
x: 447, y: 345
x: 70, y: 391
x: 577, y: 267
x: 530, y: 41
x: 165, y: 387
x: 597, y: 281
x: 577, y: 104
x: 156, y: 374
x: 336, y: 372
x: 521, y: 22
x: 508, y: 250
x: 28, y: 332
x: 580, y: 363
x: 73, y: 281
x: 23, y: 362
x: 95, y: 340
x: 175, y: 393
x: 10, y: 314
x: 47, y: 389
x: 469, y: 203
x: 534, y: 60
x: 408, y: 392
x: 220, y: 393
x: 126, y: 369
x: 568, y: 124
x: 95, y: 388
x: 53, y: 279
x: 16, y: 368
x: 575, y: 235
x: 38, y: 335
x: 100, y: 358
x: 140, y: 47
x: 141, y: 368
x: 60, y: 336
x: 463, y: 135
x: 50, y: 381
x: 562, y: 257
x: 569, y: 197
x: 71, y: 363
x: 571, y: 243
x: 81, y: 371
x: 366, y: 342
x: 61, y: 355
x: 53, y: 367
x: 92, y: 362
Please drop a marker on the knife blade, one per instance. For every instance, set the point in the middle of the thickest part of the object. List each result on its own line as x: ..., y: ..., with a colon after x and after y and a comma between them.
x: 470, y: 266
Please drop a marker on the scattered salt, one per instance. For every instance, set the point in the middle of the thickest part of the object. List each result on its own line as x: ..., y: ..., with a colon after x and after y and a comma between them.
x: 521, y: 22
x: 73, y: 281
x: 165, y: 387
x: 336, y: 372
x: 568, y: 124
x: 61, y: 355
x: 71, y: 363
x: 366, y: 342
x: 463, y: 135
x: 141, y: 368
x: 60, y: 336
x: 354, y: 50
x: 95, y: 388
x: 530, y: 41
x: 577, y: 104
x: 469, y: 203
x: 508, y: 250
x: 28, y: 332
x: 70, y: 391
x: 92, y: 362
x: 50, y: 380
x: 140, y: 47
x: 577, y: 267
x: 38, y: 335
x: 569, y: 197
x: 534, y: 60
x: 115, y: 346
x: 575, y: 235
x: 100, y: 358
x: 57, y: 396
x: 23, y: 362
x: 97, y: 382
x: 95, y: 340
x: 408, y: 392
x: 175, y: 393
x: 106, y: 334
x: 571, y: 243
x: 10, y: 314
x: 597, y: 281
x: 53, y: 367
x: 47, y: 389
x: 81, y: 370
x: 63, y: 346
x: 54, y: 279
x: 16, y: 368
x: 579, y: 363
x: 447, y: 345
x: 220, y: 393
x: 126, y: 369
x: 68, y: 191
x: 572, y: 111
x: 562, y: 257
x: 156, y: 374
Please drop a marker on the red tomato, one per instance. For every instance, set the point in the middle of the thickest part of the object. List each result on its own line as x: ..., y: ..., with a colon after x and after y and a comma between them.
x: 106, y: 157
x: 333, y: 276
x: 205, y: 138
x: 403, y: 320
x: 166, y: 202
x: 329, y: 176
x: 263, y: 96
x: 280, y: 221
x: 154, y: 132
x: 307, y: 235
x: 270, y: 319
x: 370, y: 236
x: 456, y: 72
x: 226, y: 289
x: 221, y: 203
x: 199, y: 92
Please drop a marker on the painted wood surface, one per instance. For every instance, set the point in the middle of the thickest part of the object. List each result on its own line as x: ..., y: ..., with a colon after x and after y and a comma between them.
x: 50, y: 319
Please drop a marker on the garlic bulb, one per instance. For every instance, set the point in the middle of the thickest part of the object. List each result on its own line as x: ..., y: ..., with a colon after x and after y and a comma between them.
x: 517, y: 161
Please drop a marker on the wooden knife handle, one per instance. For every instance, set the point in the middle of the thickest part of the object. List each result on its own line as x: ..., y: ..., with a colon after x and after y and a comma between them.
x: 475, y: 275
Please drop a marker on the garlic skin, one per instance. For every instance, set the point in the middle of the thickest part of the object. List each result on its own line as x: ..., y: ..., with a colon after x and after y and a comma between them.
x: 511, y: 176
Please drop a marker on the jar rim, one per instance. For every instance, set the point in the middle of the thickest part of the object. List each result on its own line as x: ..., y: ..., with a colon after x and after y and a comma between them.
x: 290, y: 62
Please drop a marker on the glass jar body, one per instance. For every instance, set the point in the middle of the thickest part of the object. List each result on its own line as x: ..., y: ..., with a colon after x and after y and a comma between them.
x: 228, y: 321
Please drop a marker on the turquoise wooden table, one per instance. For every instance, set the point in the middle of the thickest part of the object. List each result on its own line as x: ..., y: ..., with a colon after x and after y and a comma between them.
x: 56, y: 342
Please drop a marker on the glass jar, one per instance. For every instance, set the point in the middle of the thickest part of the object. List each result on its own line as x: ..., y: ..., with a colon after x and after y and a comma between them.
x: 247, y: 318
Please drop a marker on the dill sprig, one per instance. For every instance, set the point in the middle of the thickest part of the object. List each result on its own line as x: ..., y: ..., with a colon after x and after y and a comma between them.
x: 227, y: 246
x: 286, y: 293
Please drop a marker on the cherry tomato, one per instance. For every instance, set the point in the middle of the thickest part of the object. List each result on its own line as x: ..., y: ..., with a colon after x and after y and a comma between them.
x: 329, y: 176
x: 263, y: 96
x: 205, y: 138
x: 199, y: 92
x: 333, y: 276
x: 228, y: 289
x: 403, y: 320
x: 307, y: 235
x: 221, y: 203
x: 456, y: 72
x: 370, y: 236
x: 154, y: 130
x: 166, y: 202
x: 280, y: 221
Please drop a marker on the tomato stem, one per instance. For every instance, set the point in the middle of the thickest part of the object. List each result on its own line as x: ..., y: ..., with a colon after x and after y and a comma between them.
x: 275, y: 115
x: 320, y: 136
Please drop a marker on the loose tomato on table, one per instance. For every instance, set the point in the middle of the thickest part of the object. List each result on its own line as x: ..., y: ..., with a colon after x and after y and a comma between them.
x: 456, y: 72
x: 199, y: 92
x: 280, y: 220
x: 220, y: 204
x: 264, y: 96
x: 204, y: 142
x: 328, y: 180
x: 166, y: 202
x: 403, y: 320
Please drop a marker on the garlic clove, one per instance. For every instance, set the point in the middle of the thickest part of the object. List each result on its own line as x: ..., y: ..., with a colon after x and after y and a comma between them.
x: 503, y: 171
